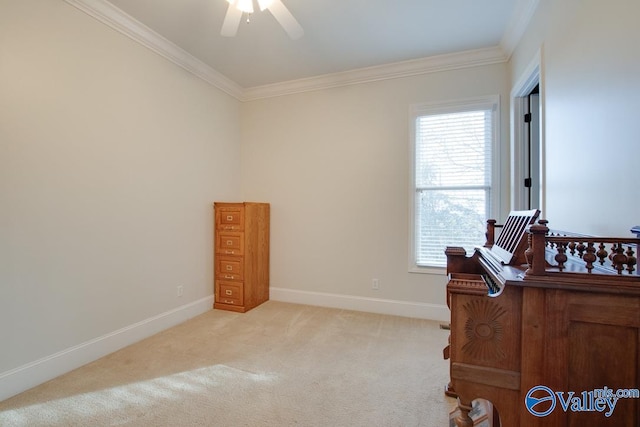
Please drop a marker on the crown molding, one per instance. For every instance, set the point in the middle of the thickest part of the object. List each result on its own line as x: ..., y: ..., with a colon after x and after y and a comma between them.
x: 517, y: 25
x: 115, y: 18
x: 432, y: 64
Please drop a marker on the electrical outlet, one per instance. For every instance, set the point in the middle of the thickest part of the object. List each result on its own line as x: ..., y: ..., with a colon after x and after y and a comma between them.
x: 180, y: 290
x: 375, y: 284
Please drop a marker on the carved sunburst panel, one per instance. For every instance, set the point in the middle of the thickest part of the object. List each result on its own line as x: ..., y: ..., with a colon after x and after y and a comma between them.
x: 484, y: 330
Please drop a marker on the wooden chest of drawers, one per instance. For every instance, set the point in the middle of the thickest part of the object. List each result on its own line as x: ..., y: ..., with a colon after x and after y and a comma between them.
x: 241, y: 255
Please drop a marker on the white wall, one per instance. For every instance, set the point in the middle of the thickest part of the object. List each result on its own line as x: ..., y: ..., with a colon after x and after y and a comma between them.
x: 335, y: 166
x: 110, y: 160
x: 590, y: 67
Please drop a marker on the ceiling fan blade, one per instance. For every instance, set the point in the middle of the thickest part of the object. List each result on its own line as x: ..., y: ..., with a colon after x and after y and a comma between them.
x: 231, y: 21
x: 286, y: 19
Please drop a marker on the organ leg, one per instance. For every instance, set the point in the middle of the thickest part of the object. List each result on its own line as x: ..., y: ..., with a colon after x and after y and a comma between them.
x: 463, y: 419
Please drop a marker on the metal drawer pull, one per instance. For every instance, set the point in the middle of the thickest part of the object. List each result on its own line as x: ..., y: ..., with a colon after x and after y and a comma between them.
x: 229, y: 218
x: 229, y: 267
x: 228, y: 276
x: 229, y: 252
x: 229, y: 242
x: 228, y: 292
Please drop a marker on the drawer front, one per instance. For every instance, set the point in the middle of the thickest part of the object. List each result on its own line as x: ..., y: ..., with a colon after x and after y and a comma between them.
x: 230, y: 293
x: 229, y: 268
x: 230, y: 243
x: 230, y: 218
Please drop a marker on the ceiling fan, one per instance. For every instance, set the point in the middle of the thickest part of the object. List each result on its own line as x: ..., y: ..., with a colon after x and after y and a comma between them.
x: 277, y: 9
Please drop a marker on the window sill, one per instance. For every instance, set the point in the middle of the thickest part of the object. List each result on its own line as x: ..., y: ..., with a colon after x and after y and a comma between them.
x: 440, y: 271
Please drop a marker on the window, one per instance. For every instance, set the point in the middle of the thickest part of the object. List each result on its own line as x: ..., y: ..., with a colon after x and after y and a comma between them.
x: 453, y: 177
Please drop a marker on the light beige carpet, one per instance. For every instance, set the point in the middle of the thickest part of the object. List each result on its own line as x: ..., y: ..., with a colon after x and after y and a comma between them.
x: 277, y: 365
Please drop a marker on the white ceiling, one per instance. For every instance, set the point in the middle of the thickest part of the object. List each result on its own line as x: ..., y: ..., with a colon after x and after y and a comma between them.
x: 340, y: 35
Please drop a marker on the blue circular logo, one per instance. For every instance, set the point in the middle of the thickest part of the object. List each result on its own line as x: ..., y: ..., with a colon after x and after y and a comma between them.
x: 540, y: 401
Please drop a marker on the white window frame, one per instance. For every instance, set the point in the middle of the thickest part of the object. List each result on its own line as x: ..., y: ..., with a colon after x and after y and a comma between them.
x: 453, y: 106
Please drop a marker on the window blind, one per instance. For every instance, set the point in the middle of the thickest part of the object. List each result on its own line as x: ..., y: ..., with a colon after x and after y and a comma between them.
x: 453, y: 181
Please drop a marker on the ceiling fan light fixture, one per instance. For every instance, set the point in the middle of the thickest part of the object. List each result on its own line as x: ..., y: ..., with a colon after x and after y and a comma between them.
x: 245, y: 5
x: 278, y: 10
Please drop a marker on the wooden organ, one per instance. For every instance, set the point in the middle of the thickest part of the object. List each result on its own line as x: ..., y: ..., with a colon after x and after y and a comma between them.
x: 537, y: 312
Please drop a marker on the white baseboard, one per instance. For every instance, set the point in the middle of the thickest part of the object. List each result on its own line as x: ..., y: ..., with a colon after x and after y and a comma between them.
x: 32, y: 374
x: 419, y: 310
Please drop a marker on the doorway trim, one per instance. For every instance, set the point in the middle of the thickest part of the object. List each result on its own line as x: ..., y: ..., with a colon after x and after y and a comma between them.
x: 528, y: 80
